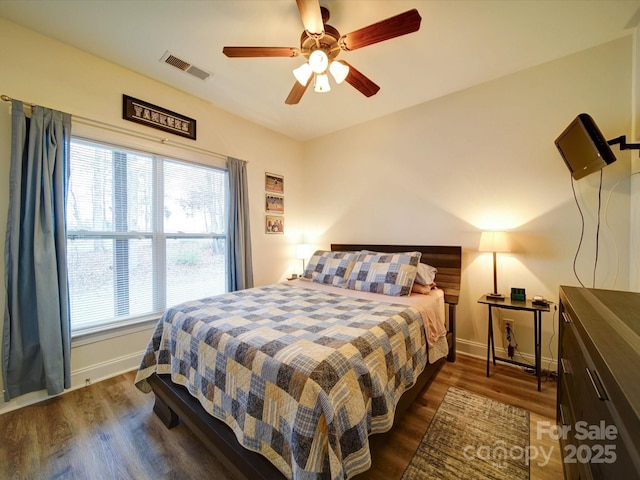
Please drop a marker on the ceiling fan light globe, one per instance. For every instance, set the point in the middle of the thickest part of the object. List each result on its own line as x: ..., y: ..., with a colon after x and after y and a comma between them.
x: 339, y: 71
x: 318, y: 61
x: 303, y: 74
x: 322, y: 83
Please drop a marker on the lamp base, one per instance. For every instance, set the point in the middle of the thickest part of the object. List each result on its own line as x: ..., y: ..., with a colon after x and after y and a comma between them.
x: 495, y: 296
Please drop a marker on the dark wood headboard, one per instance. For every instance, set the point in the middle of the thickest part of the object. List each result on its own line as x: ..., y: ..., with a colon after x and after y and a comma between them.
x: 447, y: 259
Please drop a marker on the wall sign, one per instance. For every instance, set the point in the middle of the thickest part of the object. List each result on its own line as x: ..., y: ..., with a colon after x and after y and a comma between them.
x: 153, y: 116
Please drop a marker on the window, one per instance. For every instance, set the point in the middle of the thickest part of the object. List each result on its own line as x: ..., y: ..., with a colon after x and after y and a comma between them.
x: 143, y: 233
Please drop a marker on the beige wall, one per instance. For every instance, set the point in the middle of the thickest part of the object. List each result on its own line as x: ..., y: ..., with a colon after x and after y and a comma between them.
x: 484, y: 158
x: 634, y: 274
x: 39, y: 70
x: 437, y: 173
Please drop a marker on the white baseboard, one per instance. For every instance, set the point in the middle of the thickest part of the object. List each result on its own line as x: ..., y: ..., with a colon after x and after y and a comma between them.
x: 101, y: 371
x: 479, y: 350
x: 92, y: 373
x: 116, y: 366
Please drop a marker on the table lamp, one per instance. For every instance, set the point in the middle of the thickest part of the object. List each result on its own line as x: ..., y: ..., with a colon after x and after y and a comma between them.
x: 303, y: 250
x: 494, y: 242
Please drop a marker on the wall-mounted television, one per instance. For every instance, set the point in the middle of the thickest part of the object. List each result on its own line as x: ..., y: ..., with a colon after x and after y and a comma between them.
x: 583, y: 147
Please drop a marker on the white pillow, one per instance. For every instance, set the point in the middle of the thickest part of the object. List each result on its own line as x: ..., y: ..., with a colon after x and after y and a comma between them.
x: 426, y: 274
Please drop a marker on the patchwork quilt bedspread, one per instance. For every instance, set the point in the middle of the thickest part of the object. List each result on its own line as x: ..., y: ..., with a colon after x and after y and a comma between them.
x: 301, y: 376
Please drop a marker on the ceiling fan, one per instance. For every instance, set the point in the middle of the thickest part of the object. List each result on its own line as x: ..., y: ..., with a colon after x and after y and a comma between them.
x: 321, y: 43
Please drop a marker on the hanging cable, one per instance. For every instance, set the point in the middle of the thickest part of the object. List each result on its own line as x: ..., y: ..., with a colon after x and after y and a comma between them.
x: 553, y: 324
x: 575, y: 258
x: 595, y: 263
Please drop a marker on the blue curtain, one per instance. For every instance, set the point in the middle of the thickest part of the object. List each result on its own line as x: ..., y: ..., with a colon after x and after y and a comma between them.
x: 36, y: 333
x: 239, y: 236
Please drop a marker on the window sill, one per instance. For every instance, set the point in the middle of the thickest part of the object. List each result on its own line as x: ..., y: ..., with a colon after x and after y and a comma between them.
x: 100, y: 333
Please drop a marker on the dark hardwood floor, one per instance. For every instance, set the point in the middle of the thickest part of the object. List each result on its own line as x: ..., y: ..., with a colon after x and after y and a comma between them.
x: 108, y: 431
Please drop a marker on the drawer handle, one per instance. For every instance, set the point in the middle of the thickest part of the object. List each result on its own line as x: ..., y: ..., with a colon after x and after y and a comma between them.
x: 566, y: 366
x: 562, y: 419
x: 594, y: 377
x: 567, y: 318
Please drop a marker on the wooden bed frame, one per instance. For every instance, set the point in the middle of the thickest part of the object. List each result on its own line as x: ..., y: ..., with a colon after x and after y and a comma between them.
x: 173, y: 402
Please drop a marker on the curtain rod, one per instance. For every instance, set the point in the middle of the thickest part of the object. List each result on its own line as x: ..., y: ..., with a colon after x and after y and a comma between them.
x: 116, y: 128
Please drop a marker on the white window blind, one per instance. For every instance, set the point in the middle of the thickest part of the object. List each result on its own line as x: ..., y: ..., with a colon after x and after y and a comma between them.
x: 143, y: 233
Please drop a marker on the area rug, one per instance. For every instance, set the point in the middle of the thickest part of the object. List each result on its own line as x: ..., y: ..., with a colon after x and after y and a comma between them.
x: 473, y: 437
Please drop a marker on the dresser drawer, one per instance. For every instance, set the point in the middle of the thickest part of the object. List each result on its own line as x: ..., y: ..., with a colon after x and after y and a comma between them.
x: 580, y: 377
x: 573, y: 470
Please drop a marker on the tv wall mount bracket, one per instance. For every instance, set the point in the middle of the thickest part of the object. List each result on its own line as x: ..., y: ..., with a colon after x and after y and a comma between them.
x: 622, y: 141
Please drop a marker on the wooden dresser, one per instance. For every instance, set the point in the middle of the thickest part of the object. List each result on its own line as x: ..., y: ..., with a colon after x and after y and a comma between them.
x: 598, y: 403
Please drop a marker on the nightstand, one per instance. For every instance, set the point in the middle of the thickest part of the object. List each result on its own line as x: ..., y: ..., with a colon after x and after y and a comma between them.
x: 509, y: 304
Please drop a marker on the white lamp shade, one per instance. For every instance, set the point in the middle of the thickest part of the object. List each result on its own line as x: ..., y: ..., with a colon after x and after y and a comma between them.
x: 303, y: 251
x: 494, y: 242
x: 318, y: 61
x: 339, y: 71
x: 303, y: 74
x: 322, y: 83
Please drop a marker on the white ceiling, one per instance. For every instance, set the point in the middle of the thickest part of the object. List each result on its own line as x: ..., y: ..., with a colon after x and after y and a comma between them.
x: 461, y: 43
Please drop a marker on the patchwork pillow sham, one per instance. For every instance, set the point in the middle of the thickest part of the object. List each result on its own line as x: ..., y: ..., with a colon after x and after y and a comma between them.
x: 387, y: 273
x: 330, y: 268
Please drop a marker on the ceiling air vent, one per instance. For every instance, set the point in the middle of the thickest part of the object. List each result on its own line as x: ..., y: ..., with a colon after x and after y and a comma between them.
x: 185, y: 66
x: 197, y: 72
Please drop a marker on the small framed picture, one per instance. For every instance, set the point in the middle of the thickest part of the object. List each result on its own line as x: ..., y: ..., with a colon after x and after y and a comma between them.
x: 273, y: 183
x: 274, y: 224
x: 274, y: 203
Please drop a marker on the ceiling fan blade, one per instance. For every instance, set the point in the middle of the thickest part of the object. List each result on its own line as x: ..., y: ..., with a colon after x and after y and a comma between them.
x: 296, y: 93
x: 235, y: 52
x: 407, y: 22
x: 360, y: 82
x: 311, y: 16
